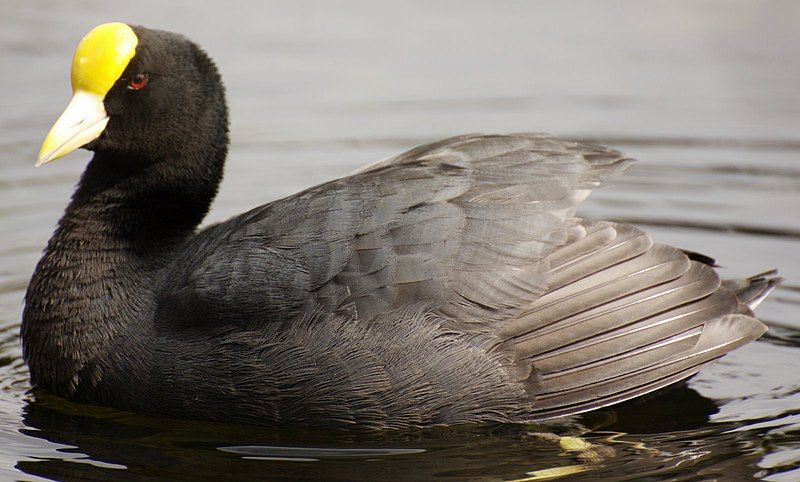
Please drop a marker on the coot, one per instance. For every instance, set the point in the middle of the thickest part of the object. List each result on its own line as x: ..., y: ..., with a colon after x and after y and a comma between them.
x: 452, y: 283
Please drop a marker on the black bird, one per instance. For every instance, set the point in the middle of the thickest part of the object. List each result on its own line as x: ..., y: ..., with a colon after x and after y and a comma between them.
x: 452, y: 283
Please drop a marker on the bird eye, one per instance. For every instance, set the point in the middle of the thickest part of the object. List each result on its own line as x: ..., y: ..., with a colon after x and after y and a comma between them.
x: 138, y: 82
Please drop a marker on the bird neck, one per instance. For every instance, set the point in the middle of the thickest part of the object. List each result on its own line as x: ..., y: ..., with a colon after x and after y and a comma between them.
x: 147, y: 206
x: 89, y: 306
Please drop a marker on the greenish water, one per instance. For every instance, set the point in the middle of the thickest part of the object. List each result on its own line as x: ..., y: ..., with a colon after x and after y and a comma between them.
x: 703, y: 93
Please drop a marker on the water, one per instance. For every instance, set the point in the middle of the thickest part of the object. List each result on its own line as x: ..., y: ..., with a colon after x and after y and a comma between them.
x: 703, y: 93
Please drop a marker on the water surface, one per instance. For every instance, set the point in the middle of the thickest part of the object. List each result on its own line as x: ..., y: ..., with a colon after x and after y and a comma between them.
x: 705, y: 94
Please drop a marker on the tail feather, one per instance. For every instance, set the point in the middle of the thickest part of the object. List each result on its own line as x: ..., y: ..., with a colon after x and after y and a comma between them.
x: 753, y: 290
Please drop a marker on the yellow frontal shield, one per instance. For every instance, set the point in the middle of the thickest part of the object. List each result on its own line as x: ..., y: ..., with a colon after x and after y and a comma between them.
x: 99, y: 61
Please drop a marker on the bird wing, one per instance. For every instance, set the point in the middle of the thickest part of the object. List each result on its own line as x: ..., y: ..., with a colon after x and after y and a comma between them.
x: 481, y: 229
x: 462, y: 224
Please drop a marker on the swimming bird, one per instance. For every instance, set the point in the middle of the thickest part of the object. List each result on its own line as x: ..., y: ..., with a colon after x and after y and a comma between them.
x: 452, y: 283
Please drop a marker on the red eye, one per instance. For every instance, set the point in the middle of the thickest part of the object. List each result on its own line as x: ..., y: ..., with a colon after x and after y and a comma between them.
x: 138, y: 82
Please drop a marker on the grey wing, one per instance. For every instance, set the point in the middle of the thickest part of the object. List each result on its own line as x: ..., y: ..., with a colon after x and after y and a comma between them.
x: 462, y: 224
x: 482, y: 230
x: 465, y: 223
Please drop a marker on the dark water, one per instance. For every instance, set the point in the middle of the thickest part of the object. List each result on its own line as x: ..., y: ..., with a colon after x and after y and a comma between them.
x: 705, y: 94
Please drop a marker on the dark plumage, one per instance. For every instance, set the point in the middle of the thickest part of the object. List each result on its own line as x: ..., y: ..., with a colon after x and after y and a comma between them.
x: 449, y: 284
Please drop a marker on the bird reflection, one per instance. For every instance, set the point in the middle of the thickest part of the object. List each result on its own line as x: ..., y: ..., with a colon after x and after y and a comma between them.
x: 676, y: 409
x: 104, y: 444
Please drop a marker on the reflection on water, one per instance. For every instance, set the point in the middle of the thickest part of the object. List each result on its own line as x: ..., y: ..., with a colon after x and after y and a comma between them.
x: 670, y: 428
x: 705, y: 96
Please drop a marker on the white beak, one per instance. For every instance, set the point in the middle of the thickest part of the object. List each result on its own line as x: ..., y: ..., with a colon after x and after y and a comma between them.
x: 83, y: 121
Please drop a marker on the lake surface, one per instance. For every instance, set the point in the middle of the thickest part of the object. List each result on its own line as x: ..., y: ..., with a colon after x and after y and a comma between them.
x: 706, y: 95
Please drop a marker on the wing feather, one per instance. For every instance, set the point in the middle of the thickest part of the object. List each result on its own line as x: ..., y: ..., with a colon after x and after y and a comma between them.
x: 462, y: 224
x: 624, y: 316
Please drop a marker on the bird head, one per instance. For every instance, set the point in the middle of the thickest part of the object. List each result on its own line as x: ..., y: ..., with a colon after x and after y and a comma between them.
x: 137, y: 92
